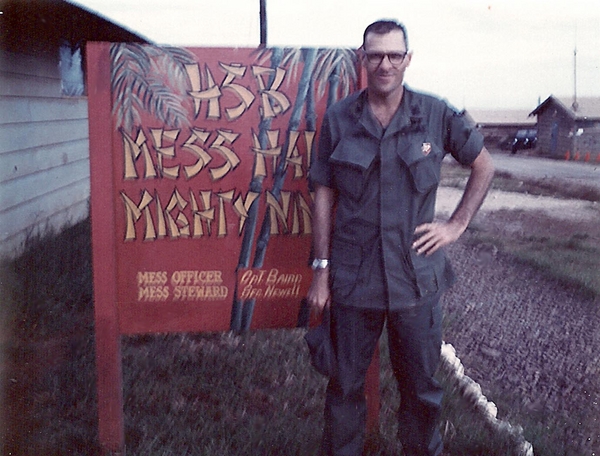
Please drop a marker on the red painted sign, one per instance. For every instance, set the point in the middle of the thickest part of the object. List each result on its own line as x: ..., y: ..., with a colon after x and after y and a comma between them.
x: 201, y: 211
x: 209, y: 204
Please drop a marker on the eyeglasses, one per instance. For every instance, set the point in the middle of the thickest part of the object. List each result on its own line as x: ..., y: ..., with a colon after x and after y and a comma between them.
x: 395, y: 58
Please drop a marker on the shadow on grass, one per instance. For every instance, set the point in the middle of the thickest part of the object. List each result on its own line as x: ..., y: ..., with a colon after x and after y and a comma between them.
x: 48, y: 395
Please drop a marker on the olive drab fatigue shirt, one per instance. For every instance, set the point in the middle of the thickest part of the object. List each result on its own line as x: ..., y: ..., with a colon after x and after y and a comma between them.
x: 385, y: 182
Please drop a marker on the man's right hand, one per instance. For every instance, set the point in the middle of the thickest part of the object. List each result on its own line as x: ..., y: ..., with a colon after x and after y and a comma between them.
x: 319, y: 295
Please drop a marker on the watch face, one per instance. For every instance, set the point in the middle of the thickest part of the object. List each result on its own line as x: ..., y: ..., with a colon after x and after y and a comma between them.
x: 320, y: 263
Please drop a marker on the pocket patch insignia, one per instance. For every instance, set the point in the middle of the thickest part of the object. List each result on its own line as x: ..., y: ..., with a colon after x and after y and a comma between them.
x: 426, y: 149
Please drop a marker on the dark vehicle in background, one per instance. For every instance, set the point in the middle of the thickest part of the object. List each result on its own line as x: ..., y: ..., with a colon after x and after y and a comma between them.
x: 522, y: 139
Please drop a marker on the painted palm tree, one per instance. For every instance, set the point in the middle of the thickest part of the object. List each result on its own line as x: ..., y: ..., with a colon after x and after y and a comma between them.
x: 150, y: 79
x: 335, y: 69
x: 309, y: 57
x: 336, y: 73
x: 256, y: 184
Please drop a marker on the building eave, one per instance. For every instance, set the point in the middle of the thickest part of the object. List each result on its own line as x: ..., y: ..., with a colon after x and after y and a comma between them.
x: 40, y: 26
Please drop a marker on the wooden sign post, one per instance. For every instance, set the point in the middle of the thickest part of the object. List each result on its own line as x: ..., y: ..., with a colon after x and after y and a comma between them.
x: 200, y: 205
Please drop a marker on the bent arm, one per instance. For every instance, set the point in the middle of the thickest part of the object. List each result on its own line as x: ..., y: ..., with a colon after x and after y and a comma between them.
x: 318, y: 293
x: 433, y: 236
x: 482, y: 173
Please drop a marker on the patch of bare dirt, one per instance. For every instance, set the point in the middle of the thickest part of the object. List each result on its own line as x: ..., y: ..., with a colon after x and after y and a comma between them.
x: 520, y: 333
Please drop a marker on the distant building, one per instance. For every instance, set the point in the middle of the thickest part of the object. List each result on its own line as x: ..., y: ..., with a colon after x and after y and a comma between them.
x: 44, y: 151
x: 567, y: 129
x: 497, y: 125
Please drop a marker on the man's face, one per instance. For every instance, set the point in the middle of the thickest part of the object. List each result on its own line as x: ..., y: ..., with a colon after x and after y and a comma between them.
x: 385, y: 58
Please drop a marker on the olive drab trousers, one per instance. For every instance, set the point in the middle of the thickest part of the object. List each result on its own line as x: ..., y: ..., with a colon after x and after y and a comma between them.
x: 415, y: 338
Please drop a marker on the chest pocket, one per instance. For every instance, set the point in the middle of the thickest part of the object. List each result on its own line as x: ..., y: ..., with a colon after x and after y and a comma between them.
x: 353, y: 162
x: 424, y: 160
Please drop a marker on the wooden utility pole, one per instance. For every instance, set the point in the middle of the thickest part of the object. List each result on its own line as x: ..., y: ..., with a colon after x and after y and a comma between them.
x: 575, y: 102
x: 263, y: 22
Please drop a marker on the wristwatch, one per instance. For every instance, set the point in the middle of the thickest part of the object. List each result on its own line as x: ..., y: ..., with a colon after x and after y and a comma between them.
x: 319, y: 263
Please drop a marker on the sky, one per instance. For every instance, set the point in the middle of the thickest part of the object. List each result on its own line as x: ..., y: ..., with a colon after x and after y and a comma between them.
x: 494, y: 54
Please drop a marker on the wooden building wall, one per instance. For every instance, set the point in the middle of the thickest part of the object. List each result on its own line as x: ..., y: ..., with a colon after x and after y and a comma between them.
x: 553, y: 119
x: 44, y: 151
x: 588, y: 144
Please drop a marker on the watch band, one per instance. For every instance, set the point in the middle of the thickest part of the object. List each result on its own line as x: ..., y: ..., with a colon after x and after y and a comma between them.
x: 319, y: 263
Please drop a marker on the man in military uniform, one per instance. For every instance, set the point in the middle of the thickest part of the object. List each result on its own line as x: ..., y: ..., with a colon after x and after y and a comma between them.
x: 381, y: 260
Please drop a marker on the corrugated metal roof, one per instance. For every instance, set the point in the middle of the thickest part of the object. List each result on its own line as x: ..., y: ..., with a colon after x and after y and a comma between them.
x: 587, y: 107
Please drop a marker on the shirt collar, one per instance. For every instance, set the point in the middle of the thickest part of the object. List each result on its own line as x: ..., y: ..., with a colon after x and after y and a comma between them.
x: 408, y: 117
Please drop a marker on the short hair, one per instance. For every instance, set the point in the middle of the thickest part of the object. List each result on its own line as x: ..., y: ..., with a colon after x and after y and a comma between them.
x: 384, y: 26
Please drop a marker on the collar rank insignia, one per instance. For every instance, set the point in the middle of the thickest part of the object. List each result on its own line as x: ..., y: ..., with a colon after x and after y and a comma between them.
x: 426, y: 149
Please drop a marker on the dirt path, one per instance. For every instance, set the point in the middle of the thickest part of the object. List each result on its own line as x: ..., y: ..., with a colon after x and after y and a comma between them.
x: 536, y: 167
x: 520, y: 333
x: 562, y: 209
